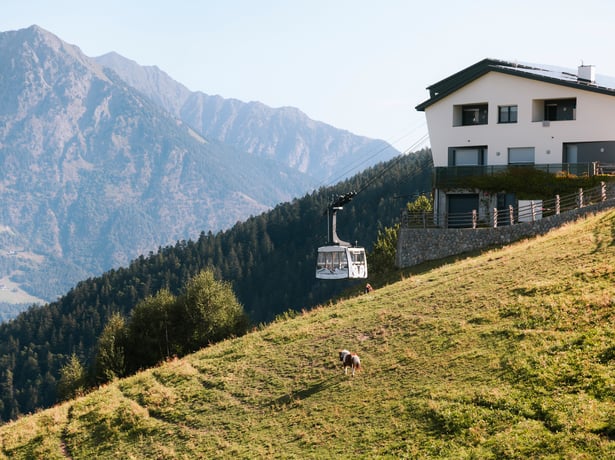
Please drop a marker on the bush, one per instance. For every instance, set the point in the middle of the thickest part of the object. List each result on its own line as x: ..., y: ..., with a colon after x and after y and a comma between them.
x: 162, y: 326
x: 382, y: 258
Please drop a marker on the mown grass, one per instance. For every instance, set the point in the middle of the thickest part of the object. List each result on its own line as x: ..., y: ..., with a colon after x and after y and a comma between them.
x: 506, y: 354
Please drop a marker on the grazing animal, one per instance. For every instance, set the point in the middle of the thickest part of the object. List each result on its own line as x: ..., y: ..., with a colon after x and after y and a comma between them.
x: 350, y: 360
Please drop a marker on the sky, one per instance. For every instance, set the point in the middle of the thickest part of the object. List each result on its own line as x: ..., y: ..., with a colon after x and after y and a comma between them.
x: 359, y: 65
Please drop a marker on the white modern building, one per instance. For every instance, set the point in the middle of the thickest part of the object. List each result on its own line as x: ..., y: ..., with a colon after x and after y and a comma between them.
x: 497, y: 115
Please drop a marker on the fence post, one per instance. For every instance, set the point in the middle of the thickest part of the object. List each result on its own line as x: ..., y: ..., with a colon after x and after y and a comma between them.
x: 580, y: 198
x: 511, y: 214
x: 602, y: 191
x: 533, y: 210
x: 495, y: 217
x: 474, y: 218
x: 557, y: 204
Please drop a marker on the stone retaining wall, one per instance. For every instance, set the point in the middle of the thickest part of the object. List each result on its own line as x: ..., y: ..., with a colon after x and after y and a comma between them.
x: 417, y: 245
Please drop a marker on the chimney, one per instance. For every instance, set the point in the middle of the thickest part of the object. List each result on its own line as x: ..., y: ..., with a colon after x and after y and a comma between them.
x: 587, y: 74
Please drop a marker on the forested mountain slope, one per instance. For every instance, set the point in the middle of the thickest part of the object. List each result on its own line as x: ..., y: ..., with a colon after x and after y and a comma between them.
x: 504, y: 355
x: 269, y: 258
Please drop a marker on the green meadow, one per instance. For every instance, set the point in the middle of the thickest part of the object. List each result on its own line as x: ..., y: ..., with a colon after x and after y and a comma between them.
x: 506, y: 354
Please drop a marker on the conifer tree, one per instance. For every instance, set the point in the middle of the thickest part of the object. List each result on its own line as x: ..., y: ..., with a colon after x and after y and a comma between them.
x: 72, y: 379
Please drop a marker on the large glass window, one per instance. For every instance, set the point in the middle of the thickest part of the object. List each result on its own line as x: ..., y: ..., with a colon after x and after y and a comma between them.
x: 571, y: 152
x: 521, y: 156
x: 560, y: 109
x: 332, y: 260
x: 474, y: 114
x: 507, y: 114
x: 467, y: 156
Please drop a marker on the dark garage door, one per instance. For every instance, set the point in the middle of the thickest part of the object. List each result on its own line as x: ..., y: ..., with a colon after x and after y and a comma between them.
x: 460, y: 207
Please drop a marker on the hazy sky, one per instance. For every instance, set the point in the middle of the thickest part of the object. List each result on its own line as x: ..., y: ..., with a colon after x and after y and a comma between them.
x: 355, y: 64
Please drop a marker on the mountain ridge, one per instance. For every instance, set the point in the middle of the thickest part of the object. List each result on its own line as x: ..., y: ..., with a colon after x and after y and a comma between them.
x: 285, y: 134
x: 86, y: 159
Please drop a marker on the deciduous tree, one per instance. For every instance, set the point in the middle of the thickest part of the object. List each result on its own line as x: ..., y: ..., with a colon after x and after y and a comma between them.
x: 111, y: 355
x: 211, y: 311
x: 154, y: 330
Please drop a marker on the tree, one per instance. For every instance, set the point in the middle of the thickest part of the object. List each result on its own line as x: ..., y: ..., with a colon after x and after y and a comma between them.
x: 382, y: 258
x: 111, y: 355
x: 422, y: 203
x: 211, y: 311
x: 72, y: 379
x: 154, y: 330
x: 8, y: 405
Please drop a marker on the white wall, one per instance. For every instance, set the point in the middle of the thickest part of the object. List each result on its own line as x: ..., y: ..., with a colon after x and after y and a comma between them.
x: 595, y: 119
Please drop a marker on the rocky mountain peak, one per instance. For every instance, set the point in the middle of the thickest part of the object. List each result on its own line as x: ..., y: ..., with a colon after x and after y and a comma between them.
x: 103, y: 160
x: 40, y: 45
x: 150, y: 80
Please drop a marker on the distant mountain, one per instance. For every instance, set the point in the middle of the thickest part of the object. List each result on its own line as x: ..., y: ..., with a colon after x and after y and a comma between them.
x: 103, y: 160
x: 93, y: 173
x: 283, y: 134
x: 150, y: 80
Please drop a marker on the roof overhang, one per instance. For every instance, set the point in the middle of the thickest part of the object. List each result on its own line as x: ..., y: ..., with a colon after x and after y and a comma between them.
x: 449, y: 85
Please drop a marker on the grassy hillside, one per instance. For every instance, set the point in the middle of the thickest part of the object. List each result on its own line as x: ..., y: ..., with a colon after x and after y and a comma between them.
x: 507, y: 354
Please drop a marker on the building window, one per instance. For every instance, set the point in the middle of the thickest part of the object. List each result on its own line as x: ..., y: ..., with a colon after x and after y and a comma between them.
x: 467, y: 156
x: 560, y: 109
x: 554, y: 109
x: 507, y: 114
x: 474, y: 114
x: 521, y: 156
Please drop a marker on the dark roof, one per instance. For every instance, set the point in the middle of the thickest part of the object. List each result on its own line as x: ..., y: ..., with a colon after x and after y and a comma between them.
x: 549, y: 74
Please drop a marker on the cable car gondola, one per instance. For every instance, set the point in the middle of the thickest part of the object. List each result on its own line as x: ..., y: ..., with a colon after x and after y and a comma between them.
x: 339, y: 259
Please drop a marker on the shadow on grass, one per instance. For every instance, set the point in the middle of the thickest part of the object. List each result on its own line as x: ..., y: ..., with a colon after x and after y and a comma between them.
x: 328, y: 384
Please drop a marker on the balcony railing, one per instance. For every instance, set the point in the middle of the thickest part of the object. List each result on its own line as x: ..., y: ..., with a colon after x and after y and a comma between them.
x: 530, y: 212
x: 457, y: 176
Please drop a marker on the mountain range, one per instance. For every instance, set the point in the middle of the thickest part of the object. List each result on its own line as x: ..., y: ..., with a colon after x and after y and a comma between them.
x: 102, y: 160
x: 283, y: 134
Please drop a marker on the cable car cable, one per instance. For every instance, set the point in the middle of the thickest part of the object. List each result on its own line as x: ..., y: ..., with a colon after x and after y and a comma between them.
x: 385, y: 170
x: 339, y: 259
x: 345, y: 174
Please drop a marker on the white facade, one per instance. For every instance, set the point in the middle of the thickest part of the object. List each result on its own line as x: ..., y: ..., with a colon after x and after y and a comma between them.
x: 594, y: 120
x: 496, y: 115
